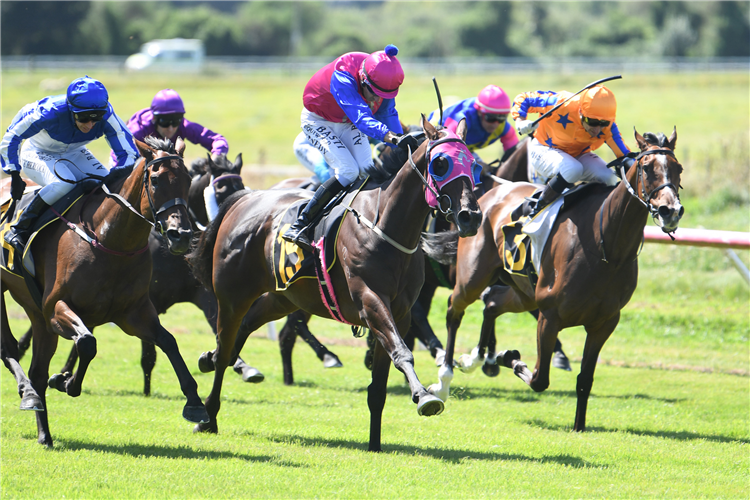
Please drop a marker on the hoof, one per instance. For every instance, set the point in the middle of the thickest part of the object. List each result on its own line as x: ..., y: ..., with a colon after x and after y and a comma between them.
x: 508, y: 357
x: 31, y: 403
x: 207, y: 427
x: 430, y: 405
x: 252, y: 375
x: 368, y: 359
x: 330, y: 360
x: 560, y: 360
x: 206, y: 362
x: 196, y: 414
x: 57, y: 381
x: 491, y: 370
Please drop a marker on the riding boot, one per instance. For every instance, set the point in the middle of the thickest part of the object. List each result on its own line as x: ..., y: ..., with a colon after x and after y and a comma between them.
x: 19, y: 233
x: 552, y: 190
x: 296, y: 233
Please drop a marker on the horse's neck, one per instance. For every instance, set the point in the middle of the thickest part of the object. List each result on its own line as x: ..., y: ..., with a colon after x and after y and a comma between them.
x: 402, y: 206
x: 622, y: 218
x: 117, y: 227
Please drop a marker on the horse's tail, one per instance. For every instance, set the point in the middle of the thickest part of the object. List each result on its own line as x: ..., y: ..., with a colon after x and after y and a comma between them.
x: 441, y: 247
x: 200, y: 257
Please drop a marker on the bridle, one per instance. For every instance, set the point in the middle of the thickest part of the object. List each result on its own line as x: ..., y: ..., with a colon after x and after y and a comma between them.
x: 644, y: 198
x: 92, y: 238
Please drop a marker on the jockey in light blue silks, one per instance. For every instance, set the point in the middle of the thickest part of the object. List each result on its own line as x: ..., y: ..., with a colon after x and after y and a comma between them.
x: 345, y: 102
x: 47, y: 140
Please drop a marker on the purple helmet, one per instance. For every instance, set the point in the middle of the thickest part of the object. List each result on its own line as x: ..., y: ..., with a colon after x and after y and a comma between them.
x: 87, y: 94
x: 167, y: 102
x: 382, y: 72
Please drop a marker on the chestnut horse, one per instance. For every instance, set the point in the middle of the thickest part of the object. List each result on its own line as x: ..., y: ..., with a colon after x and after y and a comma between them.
x: 377, y: 275
x: 103, y: 279
x: 588, y: 270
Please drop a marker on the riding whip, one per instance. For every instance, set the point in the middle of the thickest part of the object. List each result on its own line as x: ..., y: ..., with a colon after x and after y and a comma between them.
x: 592, y: 84
x: 440, y: 100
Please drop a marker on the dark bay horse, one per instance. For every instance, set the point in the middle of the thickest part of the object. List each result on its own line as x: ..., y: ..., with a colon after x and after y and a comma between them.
x: 376, y: 277
x: 84, y: 286
x: 588, y: 270
x: 172, y: 281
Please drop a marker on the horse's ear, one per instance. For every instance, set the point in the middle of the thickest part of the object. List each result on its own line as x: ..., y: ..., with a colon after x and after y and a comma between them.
x: 237, y: 164
x: 461, y: 129
x: 673, y: 139
x: 640, y: 140
x: 213, y: 168
x: 146, y: 151
x: 179, y: 146
x: 429, y: 129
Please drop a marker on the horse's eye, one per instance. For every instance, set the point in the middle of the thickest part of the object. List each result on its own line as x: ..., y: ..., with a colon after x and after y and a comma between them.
x: 440, y: 167
x: 154, y: 180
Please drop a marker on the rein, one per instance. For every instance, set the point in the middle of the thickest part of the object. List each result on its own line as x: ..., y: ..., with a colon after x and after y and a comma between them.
x: 640, y: 175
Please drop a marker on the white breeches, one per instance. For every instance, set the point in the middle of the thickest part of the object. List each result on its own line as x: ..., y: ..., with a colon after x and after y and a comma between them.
x: 588, y: 167
x: 58, y: 172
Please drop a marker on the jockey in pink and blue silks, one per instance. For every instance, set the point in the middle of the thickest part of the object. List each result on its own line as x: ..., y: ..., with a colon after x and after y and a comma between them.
x: 486, y: 121
x: 345, y: 102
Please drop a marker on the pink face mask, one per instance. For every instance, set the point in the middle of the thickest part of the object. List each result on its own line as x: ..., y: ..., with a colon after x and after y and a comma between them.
x: 449, y: 159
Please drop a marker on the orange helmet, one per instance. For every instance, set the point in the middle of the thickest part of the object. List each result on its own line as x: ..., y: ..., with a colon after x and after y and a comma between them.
x: 598, y: 103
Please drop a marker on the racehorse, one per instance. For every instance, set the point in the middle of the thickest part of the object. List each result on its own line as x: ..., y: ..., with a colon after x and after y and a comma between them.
x: 104, y: 278
x: 588, y: 269
x: 172, y: 281
x: 376, y: 277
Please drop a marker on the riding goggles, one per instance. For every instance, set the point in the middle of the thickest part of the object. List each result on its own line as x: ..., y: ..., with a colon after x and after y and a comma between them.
x: 91, y: 115
x: 492, y: 118
x: 168, y: 120
x: 593, y: 122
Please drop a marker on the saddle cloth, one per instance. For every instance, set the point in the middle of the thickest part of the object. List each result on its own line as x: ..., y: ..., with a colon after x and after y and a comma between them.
x: 290, y: 262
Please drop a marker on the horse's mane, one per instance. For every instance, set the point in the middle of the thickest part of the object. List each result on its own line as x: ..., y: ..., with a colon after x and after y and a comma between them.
x: 160, y: 144
x: 392, y: 160
x: 442, y: 247
x: 200, y: 257
x: 655, y: 139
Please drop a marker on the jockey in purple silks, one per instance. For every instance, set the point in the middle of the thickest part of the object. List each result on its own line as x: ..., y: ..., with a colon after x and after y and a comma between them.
x: 165, y: 119
x: 345, y: 102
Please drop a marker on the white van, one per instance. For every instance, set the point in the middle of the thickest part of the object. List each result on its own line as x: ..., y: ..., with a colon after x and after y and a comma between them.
x: 175, y: 54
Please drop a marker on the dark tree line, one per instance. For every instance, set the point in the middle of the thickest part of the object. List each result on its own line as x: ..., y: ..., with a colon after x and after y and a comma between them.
x: 430, y: 29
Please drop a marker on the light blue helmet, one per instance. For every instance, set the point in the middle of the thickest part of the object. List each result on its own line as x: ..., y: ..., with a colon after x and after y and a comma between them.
x: 87, y: 94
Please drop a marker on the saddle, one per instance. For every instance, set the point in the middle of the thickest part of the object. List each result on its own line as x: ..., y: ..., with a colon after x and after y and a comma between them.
x: 290, y: 262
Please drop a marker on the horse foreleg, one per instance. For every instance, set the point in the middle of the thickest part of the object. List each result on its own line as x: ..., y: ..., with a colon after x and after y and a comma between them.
x: 43, y: 348
x: 24, y: 343
x: 148, y: 362
x: 67, y: 324
x: 596, y: 336
x: 381, y: 322
x: 376, y: 393
x: 143, y: 322
x: 287, y: 339
x: 10, y: 354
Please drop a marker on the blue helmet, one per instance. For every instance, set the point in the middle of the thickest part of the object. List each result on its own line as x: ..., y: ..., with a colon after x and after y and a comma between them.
x: 87, y: 94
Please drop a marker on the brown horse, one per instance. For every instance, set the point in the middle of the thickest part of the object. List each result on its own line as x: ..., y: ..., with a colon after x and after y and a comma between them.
x: 88, y: 283
x: 376, y: 277
x: 588, y: 270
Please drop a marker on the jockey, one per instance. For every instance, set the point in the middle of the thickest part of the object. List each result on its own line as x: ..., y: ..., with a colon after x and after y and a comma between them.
x: 345, y: 102
x: 562, y: 148
x: 54, y: 154
x: 486, y: 121
x: 165, y: 120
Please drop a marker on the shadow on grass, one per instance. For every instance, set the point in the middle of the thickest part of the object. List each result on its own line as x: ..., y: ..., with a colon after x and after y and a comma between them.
x: 674, y: 435
x: 140, y: 450
x: 446, y: 455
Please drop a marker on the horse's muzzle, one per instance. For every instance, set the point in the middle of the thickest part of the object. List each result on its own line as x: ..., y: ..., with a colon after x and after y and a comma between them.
x: 670, y: 216
x: 178, y: 240
x: 468, y: 222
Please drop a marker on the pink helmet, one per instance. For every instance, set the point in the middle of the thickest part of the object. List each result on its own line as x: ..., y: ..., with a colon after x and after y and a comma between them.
x: 167, y: 102
x: 492, y: 99
x: 382, y: 72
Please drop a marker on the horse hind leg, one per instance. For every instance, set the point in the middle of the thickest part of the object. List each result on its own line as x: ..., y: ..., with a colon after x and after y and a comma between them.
x: 68, y: 325
x: 10, y: 354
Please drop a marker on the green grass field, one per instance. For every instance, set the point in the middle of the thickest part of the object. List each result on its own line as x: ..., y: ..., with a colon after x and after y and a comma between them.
x: 669, y: 414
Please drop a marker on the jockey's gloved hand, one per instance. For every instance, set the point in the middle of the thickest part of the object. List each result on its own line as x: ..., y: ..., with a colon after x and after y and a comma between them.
x: 526, y: 126
x: 17, y: 185
x: 406, y: 141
